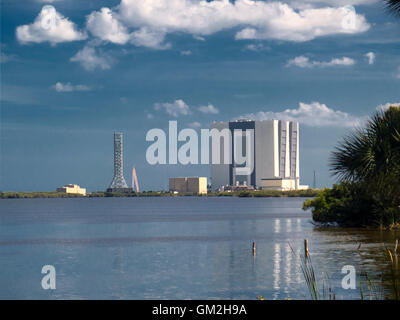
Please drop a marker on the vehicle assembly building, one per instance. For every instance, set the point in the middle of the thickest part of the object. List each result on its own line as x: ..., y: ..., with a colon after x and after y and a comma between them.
x: 188, y: 185
x: 275, y: 151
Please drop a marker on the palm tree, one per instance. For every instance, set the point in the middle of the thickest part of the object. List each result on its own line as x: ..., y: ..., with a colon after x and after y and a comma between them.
x: 372, y: 152
x: 393, y: 6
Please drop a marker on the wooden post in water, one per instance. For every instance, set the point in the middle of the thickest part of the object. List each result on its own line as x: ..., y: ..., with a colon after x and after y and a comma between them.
x: 306, y: 248
x: 254, y: 248
x: 396, y: 245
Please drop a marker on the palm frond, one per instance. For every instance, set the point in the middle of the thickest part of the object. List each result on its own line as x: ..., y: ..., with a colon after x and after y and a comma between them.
x: 366, y: 152
x: 393, y: 6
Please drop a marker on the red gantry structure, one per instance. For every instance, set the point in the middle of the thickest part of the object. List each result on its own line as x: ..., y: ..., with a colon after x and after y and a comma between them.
x: 134, y: 180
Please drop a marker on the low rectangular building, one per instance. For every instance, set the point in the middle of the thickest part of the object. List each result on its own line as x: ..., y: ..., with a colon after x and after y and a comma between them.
x: 281, y: 184
x: 188, y: 185
x: 72, y: 188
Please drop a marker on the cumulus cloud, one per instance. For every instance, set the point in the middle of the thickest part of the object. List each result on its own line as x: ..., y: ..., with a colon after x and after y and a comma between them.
x: 257, y: 47
x: 68, y: 87
x: 152, y: 20
x: 199, y: 38
x: 308, y: 3
x: 175, y: 109
x: 186, y: 53
x: 371, y: 57
x: 90, y: 59
x: 305, y: 62
x: 49, y: 26
x: 314, y: 114
x: 107, y: 26
x: 150, y: 38
x: 208, y: 109
x: 104, y: 25
x: 195, y: 125
x: 386, y: 106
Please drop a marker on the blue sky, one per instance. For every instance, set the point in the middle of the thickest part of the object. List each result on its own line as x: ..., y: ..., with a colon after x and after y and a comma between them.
x: 98, y: 66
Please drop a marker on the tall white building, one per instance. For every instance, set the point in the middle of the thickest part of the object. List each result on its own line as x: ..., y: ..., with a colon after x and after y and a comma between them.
x: 275, y: 148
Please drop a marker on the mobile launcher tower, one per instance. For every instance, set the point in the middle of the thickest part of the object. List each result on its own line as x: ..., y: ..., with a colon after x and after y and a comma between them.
x: 118, y: 184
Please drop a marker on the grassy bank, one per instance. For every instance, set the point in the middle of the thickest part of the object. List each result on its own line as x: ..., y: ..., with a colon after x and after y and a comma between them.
x: 384, y: 287
x: 23, y: 195
x: 248, y: 194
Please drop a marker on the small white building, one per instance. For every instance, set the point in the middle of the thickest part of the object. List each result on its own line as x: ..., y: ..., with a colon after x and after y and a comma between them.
x: 72, y: 188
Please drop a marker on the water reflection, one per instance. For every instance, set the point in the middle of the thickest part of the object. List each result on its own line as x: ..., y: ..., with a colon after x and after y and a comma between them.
x: 277, y: 226
x: 178, y: 248
x: 277, y: 269
x: 298, y: 224
x: 289, y: 225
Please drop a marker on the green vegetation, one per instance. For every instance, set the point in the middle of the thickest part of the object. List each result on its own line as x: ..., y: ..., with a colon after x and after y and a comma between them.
x: 267, y: 193
x: 394, y: 277
x: 22, y: 195
x: 387, y: 287
x: 250, y: 193
x: 367, y: 163
x: 130, y: 194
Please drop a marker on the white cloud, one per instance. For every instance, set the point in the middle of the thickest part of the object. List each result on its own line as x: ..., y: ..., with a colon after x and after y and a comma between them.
x: 285, y: 23
x: 152, y: 20
x: 104, y: 25
x: 257, y: 47
x: 48, y: 1
x: 90, y: 59
x: 314, y: 114
x: 49, y: 26
x: 208, y: 109
x: 371, y: 57
x: 197, y: 37
x: 195, y: 125
x: 68, y: 87
x: 107, y: 26
x: 309, y: 3
x: 150, y: 38
x: 386, y: 106
x: 304, y: 62
x: 175, y: 109
x: 186, y: 53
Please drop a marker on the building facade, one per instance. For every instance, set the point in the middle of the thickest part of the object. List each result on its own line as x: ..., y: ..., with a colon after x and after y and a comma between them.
x: 188, y: 185
x: 274, y: 148
x: 72, y: 188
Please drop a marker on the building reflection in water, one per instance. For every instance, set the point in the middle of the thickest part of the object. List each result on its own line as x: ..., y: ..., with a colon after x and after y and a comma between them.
x: 286, y: 263
x: 299, y: 228
x: 277, y: 269
x: 277, y: 226
x: 289, y: 225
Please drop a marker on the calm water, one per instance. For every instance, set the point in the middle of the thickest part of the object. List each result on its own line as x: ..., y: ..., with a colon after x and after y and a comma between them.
x: 173, y: 248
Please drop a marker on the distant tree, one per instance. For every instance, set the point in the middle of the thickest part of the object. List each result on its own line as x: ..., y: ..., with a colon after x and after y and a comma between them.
x: 371, y: 152
x: 367, y: 163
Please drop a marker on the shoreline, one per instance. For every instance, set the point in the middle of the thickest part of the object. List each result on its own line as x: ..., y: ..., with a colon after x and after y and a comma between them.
x: 244, y: 194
